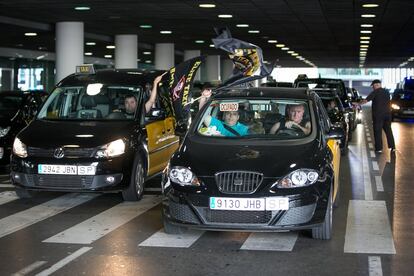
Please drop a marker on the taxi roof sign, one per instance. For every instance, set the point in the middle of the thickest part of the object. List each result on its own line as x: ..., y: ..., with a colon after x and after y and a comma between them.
x: 85, y: 69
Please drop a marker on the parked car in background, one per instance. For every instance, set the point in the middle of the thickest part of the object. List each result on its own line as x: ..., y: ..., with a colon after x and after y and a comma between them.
x: 402, y: 101
x: 17, y: 109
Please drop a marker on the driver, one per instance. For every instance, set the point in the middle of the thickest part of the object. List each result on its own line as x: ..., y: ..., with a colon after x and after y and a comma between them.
x: 294, y: 121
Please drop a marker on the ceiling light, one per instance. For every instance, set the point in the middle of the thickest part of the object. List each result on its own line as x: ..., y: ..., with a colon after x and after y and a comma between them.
x: 30, y: 34
x: 367, y: 25
x: 291, y: 52
x: 207, y: 6
x: 370, y: 5
x: 362, y: 54
x: 272, y: 41
x: 165, y: 32
x: 145, y: 26
x: 84, y: 8
x: 242, y: 25
x: 148, y: 61
x: 366, y: 32
x: 199, y: 41
x: 368, y: 15
x: 108, y: 56
x: 280, y: 45
x: 365, y: 37
x: 211, y: 45
x: 411, y: 59
x: 295, y: 54
x: 364, y: 41
x: 364, y: 46
x: 90, y: 43
x: 225, y: 16
x: 110, y: 47
x: 285, y: 48
x: 253, y: 31
x: 88, y: 54
x: 147, y: 53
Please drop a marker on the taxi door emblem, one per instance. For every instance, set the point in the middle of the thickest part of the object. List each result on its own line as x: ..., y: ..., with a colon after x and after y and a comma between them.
x: 238, y: 181
x: 59, y: 153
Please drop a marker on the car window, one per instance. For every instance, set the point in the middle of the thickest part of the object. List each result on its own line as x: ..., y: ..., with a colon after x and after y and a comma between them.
x: 264, y: 118
x: 323, y: 115
x: 99, y: 102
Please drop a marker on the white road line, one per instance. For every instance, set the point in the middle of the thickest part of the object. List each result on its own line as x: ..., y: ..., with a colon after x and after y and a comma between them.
x: 161, y: 239
x: 375, y: 166
x: 365, y: 171
x: 271, y: 241
x: 64, y: 261
x: 368, y: 134
x: 378, y: 183
x: 7, y: 186
x: 29, y: 268
x: 372, y: 153
x: 368, y: 228
x: 41, y: 212
x: 374, y: 265
x: 98, y: 226
x: 368, y: 139
x: 7, y: 196
x: 370, y: 145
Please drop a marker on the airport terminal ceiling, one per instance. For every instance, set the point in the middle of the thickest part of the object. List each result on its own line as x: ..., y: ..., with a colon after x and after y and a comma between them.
x: 327, y: 33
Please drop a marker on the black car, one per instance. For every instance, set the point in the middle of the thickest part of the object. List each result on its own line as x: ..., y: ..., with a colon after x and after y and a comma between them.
x: 256, y: 181
x: 17, y: 109
x: 84, y: 139
x: 356, y: 98
x: 402, y: 104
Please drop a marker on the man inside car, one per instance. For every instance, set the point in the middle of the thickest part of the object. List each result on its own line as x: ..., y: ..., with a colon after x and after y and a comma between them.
x: 294, y: 121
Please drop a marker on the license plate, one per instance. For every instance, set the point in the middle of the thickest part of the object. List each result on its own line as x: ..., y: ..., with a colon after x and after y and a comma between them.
x: 249, y: 204
x: 66, y: 169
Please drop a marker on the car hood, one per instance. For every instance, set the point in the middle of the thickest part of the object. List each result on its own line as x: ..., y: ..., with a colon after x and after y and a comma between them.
x: 48, y: 133
x: 403, y: 103
x: 271, y: 160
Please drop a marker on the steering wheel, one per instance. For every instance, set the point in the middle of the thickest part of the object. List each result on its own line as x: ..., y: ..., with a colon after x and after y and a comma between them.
x: 294, y: 131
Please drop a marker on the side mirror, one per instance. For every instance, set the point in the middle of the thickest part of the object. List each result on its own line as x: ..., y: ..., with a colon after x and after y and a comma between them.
x: 336, y: 133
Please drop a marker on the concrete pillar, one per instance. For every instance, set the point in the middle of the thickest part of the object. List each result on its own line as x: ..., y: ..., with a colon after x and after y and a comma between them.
x: 350, y: 84
x: 126, y: 51
x: 227, y: 69
x: 189, y: 54
x: 164, y: 56
x: 213, y: 68
x: 69, y: 48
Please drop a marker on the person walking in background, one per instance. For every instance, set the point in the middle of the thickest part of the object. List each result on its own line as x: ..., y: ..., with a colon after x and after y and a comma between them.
x: 381, y: 115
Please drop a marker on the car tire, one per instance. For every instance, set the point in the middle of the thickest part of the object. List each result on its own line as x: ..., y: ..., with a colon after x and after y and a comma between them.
x: 23, y: 193
x: 170, y: 228
x: 324, y: 231
x: 135, y: 190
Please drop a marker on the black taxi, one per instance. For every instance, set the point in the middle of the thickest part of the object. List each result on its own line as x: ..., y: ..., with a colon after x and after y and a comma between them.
x: 233, y: 173
x: 83, y: 138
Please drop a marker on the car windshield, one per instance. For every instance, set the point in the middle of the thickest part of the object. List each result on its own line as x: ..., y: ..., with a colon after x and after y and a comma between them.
x: 92, y: 102
x: 332, y: 105
x: 10, y: 103
x: 265, y: 118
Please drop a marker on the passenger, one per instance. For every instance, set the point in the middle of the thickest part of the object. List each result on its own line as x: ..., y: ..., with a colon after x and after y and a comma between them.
x: 230, y: 127
x: 295, y: 120
x: 151, y: 101
x: 331, y: 107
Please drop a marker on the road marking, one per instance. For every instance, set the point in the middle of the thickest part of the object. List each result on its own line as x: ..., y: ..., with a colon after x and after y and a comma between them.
x: 365, y: 171
x: 374, y: 265
x: 368, y: 139
x: 7, y: 186
x: 161, y: 239
x: 271, y: 241
x: 7, y: 196
x: 370, y: 145
x: 378, y: 183
x: 375, y: 166
x: 98, y: 226
x: 64, y: 261
x: 368, y: 228
x: 368, y: 134
x: 29, y: 268
x: 41, y: 212
x: 372, y: 153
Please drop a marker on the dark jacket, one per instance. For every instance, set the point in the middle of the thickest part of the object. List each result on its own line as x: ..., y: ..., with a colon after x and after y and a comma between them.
x: 380, y: 102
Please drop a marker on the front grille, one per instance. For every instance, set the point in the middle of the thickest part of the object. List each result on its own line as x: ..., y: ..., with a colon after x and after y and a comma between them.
x: 182, y: 212
x: 69, y: 152
x: 62, y: 181
x: 298, y: 215
x: 238, y: 182
x: 242, y: 217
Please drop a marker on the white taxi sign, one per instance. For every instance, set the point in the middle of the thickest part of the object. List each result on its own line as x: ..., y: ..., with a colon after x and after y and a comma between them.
x: 229, y: 106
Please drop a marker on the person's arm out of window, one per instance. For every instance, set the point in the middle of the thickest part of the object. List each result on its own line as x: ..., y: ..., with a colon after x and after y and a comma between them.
x: 151, y: 101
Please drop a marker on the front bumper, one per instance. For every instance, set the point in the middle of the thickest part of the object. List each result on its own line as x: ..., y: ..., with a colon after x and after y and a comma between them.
x: 403, y: 113
x: 189, y: 209
x: 110, y: 176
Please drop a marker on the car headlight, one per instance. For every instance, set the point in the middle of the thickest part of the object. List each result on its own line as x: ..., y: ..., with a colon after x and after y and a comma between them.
x: 395, y: 106
x: 298, y: 178
x: 19, y: 148
x: 183, y: 176
x: 4, y: 131
x: 112, y: 149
